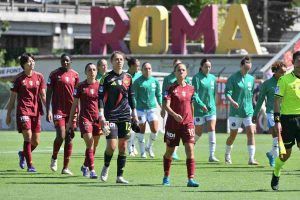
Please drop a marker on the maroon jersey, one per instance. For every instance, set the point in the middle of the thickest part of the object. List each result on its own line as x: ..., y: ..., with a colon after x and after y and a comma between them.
x: 62, y: 83
x: 88, y: 96
x: 28, y: 89
x: 181, y: 103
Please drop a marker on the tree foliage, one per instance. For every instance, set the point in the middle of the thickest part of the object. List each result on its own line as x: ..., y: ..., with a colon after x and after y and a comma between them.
x: 279, y: 19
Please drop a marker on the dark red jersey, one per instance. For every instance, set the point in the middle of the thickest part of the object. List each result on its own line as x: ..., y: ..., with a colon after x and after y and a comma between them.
x: 88, y: 97
x: 62, y: 82
x: 28, y: 89
x: 181, y: 103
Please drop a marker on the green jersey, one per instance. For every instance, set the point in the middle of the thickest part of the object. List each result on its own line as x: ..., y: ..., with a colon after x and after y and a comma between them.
x: 288, y: 88
x: 146, y: 91
x: 170, y: 79
x: 266, y: 92
x: 135, y: 76
x: 99, y: 76
x: 205, y: 90
x: 240, y: 89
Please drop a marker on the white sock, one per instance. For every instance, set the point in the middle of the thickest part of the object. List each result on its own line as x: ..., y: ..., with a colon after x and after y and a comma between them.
x: 197, y: 137
x: 131, y: 141
x: 141, y: 139
x: 251, y: 151
x: 228, y: 149
x: 212, y: 143
x: 152, y: 138
x: 275, y: 150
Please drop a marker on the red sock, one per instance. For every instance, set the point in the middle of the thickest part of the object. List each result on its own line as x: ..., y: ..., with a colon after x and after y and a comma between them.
x: 67, y: 153
x: 190, y: 165
x: 56, y: 146
x: 167, y: 165
x: 27, y: 153
x: 90, y: 154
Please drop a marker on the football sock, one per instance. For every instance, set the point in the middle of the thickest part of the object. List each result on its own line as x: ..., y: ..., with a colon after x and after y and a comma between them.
x: 141, y: 139
x: 228, y: 149
x: 56, y: 146
x: 121, y: 161
x: 27, y: 153
x: 190, y: 165
x: 107, y: 159
x: 90, y: 154
x: 251, y: 151
x: 167, y: 165
x: 275, y: 150
x: 212, y: 142
x: 152, y: 138
x: 278, y: 165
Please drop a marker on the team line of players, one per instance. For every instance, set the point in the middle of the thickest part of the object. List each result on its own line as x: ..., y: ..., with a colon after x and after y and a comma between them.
x: 111, y: 103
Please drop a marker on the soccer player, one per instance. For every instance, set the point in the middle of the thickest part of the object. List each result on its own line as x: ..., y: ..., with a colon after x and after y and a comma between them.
x: 87, y: 93
x: 134, y: 71
x: 117, y: 106
x: 205, y: 108
x: 169, y: 80
x: 29, y: 90
x: 60, y: 88
x: 266, y: 93
x: 239, y: 92
x: 179, y: 124
x: 287, y: 116
x: 101, y: 68
x: 147, y: 92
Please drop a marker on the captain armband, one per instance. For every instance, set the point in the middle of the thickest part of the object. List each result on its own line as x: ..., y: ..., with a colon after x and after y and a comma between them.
x: 277, y: 117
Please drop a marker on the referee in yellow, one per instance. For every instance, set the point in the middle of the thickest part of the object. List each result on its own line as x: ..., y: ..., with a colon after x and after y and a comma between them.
x: 287, y: 116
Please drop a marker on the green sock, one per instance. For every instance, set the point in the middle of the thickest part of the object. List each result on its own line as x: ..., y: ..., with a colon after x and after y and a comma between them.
x: 278, y: 166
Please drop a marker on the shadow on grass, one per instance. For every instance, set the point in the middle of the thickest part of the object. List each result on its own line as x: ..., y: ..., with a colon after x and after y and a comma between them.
x: 129, y: 185
x: 241, y: 191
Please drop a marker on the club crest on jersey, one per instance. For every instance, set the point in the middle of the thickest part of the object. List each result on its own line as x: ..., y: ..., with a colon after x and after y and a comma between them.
x: 126, y: 82
x: 24, y: 82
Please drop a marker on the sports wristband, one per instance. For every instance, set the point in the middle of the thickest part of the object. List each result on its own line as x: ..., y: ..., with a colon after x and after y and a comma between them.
x: 276, y: 117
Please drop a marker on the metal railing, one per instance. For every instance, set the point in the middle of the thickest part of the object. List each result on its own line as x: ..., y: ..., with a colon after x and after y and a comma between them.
x: 56, y: 6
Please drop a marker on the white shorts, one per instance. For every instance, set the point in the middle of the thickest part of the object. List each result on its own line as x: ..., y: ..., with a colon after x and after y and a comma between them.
x: 236, y: 122
x: 202, y: 120
x: 270, y: 120
x: 147, y: 115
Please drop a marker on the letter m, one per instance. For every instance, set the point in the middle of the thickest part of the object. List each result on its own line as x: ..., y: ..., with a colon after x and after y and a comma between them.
x: 184, y: 27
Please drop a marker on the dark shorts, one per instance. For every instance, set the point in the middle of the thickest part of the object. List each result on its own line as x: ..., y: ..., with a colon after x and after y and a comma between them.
x: 29, y: 123
x: 87, y: 126
x: 119, y: 130
x: 172, y: 138
x: 290, y: 130
x: 61, y: 121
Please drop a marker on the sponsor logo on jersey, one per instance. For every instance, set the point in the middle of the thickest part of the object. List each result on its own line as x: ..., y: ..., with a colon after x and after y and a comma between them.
x: 183, y: 93
x: 92, y: 91
x: 67, y: 79
x: 30, y: 83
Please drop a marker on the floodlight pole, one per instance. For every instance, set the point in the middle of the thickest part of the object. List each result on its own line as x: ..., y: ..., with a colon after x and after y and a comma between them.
x: 265, y: 26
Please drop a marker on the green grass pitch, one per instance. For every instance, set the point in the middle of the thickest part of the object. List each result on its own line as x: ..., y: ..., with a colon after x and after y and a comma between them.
x: 217, y: 181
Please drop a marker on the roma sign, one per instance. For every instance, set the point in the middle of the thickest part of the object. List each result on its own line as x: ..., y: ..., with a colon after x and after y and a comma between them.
x: 182, y: 25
